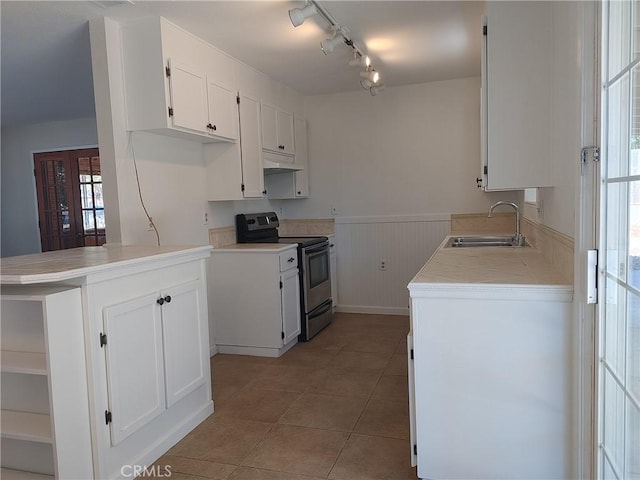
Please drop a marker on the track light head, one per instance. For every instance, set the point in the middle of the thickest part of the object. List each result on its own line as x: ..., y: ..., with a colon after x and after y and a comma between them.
x: 376, y: 89
x: 371, y: 75
x: 299, y: 15
x: 330, y: 44
x: 361, y: 61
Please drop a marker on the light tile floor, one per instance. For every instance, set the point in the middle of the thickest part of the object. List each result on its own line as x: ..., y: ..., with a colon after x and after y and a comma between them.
x: 333, y: 408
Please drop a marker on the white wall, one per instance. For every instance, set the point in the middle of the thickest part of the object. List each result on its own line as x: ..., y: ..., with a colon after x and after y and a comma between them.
x: 19, y: 231
x: 409, y: 150
x: 390, y: 164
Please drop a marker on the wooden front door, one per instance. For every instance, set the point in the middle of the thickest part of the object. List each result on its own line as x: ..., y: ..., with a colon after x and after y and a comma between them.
x: 70, y: 203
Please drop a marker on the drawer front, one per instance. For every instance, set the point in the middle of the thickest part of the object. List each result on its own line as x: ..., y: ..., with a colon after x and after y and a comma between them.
x: 288, y: 260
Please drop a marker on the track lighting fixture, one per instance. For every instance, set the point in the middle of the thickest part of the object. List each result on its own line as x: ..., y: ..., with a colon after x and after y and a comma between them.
x: 330, y: 44
x: 299, y: 15
x: 370, y: 78
x: 360, y: 61
x: 371, y: 75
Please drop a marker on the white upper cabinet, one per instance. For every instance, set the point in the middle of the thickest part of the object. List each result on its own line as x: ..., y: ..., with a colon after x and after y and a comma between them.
x: 517, y: 90
x: 277, y: 130
x: 188, y: 92
x: 251, y: 156
x: 292, y: 184
x: 176, y: 84
x: 223, y: 111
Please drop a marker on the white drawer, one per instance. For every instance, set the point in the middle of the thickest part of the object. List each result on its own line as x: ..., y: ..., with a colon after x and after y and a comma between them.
x: 289, y: 259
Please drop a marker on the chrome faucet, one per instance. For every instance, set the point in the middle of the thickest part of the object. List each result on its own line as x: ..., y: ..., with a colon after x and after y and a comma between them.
x: 518, y: 239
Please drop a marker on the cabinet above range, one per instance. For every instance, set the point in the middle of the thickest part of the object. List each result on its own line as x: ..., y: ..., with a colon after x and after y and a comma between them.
x: 177, y: 84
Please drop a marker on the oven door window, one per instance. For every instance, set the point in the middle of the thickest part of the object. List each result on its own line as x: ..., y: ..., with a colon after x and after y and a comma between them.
x: 318, y: 268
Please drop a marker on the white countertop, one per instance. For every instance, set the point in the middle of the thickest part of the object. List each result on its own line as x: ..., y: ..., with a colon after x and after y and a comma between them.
x: 256, y: 247
x: 79, y: 262
x: 489, y: 265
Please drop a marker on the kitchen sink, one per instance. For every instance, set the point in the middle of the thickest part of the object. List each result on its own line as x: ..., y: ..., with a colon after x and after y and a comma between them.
x: 485, y: 241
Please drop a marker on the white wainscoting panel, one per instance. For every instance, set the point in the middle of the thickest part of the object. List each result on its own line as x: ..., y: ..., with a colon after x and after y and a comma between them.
x: 404, y: 242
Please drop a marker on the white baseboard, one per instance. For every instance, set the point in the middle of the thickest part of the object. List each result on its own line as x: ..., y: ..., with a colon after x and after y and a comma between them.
x: 372, y: 310
x: 213, y: 350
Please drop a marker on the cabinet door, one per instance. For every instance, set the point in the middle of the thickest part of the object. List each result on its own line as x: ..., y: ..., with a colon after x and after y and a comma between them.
x: 269, y: 124
x: 188, y: 88
x: 183, y: 340
x: 519, y: 85
x: 302, y: 159
x: 223, y: 111
x: 285, y: 132
x: 290, y: 300
x: 251, y: 148
x: 135, y: 373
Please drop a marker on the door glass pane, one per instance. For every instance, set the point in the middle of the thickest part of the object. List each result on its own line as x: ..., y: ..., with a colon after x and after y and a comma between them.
x: 618, y: 128
x: 633, y: 442
x: 633, y: 345
x: 619, y: 36
x: 633, y: 267
x: 100, y: 219
x: 614, y: 318
x: 97, y: 195
x: 87, y: 220
x: 616, y: 229
x: 613, y: 438
x: 634, y: 156
x: 86, y: 195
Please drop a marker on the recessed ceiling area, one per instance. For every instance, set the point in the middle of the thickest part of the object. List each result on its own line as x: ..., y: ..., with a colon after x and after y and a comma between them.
x: 46, y: 61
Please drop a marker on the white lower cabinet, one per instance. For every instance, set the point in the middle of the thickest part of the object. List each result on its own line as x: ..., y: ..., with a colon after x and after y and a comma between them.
x: 150, y: 344
x: 491, y: 381
x: 159, y: 333
x: 256, y: 302
x: 45, y: 414
x: 105, y: 366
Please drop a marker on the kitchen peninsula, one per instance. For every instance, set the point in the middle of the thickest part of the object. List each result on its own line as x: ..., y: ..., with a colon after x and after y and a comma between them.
x: 105, y: 357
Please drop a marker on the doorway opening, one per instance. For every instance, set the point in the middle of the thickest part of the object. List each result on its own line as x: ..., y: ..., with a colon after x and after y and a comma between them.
x: 70, y: 202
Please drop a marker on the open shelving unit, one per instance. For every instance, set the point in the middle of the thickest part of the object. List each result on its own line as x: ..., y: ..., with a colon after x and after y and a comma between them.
x: 43, y: 382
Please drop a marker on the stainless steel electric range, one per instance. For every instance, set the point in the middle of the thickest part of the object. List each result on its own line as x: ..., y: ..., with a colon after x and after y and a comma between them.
x: 313, y: 262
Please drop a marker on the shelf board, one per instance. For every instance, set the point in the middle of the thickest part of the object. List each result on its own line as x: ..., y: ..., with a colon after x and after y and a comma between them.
x: 23, y: 362
x: 32, y: 427
x: 9, y: 474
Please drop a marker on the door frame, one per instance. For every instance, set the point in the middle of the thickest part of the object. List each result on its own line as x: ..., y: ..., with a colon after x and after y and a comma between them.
x: 587, y: 212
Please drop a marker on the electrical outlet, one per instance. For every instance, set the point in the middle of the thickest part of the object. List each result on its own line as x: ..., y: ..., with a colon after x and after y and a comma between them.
x: 334, y: 210
x: 383, y: 264
x: 205, y: 219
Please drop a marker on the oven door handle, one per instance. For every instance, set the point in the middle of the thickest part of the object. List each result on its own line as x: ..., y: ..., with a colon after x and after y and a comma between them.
x: 317, y: 249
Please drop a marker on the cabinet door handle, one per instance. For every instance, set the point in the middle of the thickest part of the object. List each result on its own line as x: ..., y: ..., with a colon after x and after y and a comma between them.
x: 215, y: 128
x: 281, y: 147
x: 264, y: 192
x: 160, y: 301
x: 291, y: 259
x: 208, y: 125
x: 167, y: 299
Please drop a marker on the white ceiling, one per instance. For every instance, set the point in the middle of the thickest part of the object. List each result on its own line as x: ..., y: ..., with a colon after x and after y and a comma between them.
x: 46, y: 62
